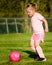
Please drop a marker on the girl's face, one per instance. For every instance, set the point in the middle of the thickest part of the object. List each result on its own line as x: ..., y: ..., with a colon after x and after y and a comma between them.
x: 30, y: 11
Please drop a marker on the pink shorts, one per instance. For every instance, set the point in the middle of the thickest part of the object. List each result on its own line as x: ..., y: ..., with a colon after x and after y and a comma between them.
x: 38, y: 37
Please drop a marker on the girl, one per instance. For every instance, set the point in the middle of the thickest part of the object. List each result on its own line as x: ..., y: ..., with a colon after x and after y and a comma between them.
x: 38, y: 36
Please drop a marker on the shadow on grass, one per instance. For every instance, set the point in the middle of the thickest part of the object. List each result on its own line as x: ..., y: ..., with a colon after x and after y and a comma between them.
x: 31, y: 54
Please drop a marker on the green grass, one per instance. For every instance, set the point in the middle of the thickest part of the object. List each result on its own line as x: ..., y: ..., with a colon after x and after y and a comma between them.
x: 20, y: 42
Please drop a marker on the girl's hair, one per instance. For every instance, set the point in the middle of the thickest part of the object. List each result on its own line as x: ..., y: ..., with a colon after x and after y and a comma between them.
x: 34, y: 5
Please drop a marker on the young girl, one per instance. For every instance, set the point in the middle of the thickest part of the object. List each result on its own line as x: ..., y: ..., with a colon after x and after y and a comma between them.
x: 38, y: 36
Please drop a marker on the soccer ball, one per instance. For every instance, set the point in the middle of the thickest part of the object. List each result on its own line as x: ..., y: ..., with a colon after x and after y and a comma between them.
x: 14, y: 56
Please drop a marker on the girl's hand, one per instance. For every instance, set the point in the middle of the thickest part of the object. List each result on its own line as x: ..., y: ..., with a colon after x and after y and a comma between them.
x: 46, y: 30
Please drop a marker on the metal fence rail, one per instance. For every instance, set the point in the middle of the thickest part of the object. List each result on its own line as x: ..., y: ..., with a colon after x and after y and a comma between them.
x: 16, y: 22
x: 11, y: 21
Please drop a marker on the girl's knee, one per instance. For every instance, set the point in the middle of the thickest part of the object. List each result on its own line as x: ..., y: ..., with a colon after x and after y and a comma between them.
x: 31, y: 43
x: 37, y: 44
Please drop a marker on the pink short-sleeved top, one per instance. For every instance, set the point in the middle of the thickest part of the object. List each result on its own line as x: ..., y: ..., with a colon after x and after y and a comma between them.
x: 36, y: 21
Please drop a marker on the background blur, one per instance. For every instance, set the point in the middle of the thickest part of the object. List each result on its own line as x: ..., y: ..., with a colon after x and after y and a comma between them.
x: 13, y: 17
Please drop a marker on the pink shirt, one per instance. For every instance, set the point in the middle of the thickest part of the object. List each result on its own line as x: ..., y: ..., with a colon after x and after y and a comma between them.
x: 36, y: 21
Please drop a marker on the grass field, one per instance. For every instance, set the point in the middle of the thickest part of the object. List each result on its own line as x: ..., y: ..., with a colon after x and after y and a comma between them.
x: 20, y: 42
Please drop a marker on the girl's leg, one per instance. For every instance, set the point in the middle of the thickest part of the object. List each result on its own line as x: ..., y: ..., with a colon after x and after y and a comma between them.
x: 39, y: 50
x: 32, y: 45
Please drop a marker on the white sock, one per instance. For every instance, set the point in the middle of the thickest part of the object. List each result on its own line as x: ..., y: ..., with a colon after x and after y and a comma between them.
x: 40, y: 52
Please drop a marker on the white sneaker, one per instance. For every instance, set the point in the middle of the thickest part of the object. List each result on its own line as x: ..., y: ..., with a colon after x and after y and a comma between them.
x: 44, y: 59
x: 40, y: 59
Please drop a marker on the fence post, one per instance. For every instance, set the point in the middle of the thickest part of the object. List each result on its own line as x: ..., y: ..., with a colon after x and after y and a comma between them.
x: 16, y: 26
x: 7, y: 26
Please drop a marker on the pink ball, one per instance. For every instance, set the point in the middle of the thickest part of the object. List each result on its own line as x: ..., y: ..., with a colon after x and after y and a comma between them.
x: 15, y: 56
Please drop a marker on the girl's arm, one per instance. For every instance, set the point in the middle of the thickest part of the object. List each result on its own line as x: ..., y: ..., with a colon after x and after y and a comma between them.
x: 46, y: 24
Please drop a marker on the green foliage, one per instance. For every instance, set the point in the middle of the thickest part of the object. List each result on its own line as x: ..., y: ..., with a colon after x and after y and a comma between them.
x: 15, y: 8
